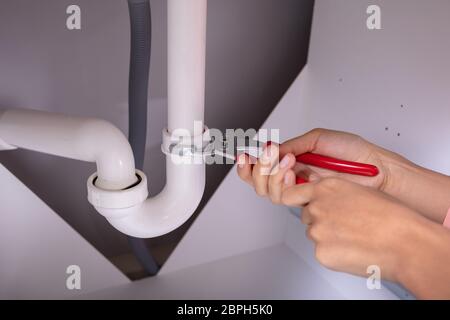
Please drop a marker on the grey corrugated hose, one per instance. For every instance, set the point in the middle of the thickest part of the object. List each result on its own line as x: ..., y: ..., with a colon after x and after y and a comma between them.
x: 140, y: 24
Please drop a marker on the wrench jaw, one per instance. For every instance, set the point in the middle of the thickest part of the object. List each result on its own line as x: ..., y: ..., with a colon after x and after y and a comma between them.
x: 214, y: 148
x: 231, y: 151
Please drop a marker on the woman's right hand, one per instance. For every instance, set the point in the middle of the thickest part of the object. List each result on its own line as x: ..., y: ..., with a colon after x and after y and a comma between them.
x: 423, y: 190
x: 345, y: 146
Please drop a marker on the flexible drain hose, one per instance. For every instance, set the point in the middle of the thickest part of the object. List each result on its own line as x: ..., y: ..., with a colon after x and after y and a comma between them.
x: 140, y: 24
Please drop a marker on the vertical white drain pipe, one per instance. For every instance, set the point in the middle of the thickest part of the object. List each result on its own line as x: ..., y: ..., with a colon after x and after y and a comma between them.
x: 186, y: 63
x: 185, y: 182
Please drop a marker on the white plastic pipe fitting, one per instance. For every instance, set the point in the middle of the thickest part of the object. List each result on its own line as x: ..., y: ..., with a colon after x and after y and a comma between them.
x: 185, y: 174
x: 173, y: 206
x: 117, y: 190
x: 85, y: 139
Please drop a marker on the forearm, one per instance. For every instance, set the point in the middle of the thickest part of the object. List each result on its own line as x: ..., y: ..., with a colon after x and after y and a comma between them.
x: 423, y: 190
x: 425, y: 267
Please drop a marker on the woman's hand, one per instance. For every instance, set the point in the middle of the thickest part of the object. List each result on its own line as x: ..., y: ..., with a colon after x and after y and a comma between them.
x: 345, y: 146
x: 398, y: 177
x: 354, y: 227
x: 335, y: 144
x: 361, y: 221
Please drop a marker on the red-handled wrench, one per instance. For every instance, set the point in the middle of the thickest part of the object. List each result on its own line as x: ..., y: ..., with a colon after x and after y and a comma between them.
x: 337, y: 165
x: 316, y: 160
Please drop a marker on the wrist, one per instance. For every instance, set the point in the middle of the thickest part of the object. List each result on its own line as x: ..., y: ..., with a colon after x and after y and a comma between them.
x: 425, y: 191
x: 396, y: 170
x: 403, y: 246
x: 423, y: 259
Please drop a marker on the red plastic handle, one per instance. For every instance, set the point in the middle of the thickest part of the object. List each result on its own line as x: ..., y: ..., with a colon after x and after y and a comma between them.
x: 338, y: 165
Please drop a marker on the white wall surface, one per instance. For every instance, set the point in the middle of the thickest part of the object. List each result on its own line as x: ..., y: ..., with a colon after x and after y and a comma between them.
x: 37, y: 246
x: 406, y: 63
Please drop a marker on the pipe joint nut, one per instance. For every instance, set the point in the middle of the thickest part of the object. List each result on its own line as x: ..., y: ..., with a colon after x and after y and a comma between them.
x: 108, y: 202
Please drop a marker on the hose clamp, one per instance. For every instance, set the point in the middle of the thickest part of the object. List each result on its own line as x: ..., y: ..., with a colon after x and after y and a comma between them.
x: 195, y: 146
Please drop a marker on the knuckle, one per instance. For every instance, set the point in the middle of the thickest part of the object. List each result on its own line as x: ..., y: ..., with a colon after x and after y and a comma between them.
x: 314, y: 233
x: 275, y: 200
x: 329, y: 184
x: 286, y: 199
x: 260, y: 191
x: 313, y: 208
x: 327, y: 256
x: 317, y: 131
x: 323, y: 255
x: 241, y: 173
x: 308, y: 233
x: 304, y: 221
x: 305, y: 216
x: 316, y: 210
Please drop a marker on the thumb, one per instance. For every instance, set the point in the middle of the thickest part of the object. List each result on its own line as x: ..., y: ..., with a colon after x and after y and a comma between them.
x: 298, y: 195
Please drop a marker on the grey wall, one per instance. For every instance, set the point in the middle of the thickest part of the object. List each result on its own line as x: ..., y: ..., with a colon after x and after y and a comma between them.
x: 255, y: 48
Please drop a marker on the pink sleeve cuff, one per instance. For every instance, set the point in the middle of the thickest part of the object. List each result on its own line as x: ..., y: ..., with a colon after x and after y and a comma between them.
x: 447, y: 220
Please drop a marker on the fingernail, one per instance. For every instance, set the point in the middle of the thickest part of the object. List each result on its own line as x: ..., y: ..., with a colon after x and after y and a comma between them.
x: 269, y: 154
x: 284, y: 162
x: 241, y: 161
x: 265, y: 157
x: 266, y: 149
x: 287, y: 179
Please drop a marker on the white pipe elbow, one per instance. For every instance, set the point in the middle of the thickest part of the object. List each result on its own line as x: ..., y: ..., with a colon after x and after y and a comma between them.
x: 86, y: 139
x: 111, y: 151
x: 117, y: 190
x: 131, y: 212
x: 155, y: 216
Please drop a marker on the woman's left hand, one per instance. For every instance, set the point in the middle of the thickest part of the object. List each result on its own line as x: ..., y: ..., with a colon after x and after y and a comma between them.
x: 354, y: 227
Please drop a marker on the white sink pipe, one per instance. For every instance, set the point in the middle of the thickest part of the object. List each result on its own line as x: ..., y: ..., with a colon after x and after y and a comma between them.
x: 85, y: 139
x: 117, y: 190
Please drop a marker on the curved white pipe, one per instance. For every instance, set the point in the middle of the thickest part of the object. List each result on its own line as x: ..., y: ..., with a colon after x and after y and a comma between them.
x: 168, y: 210
x: 185, y: 182
x: 85, y: 139
x: 113, y: 189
